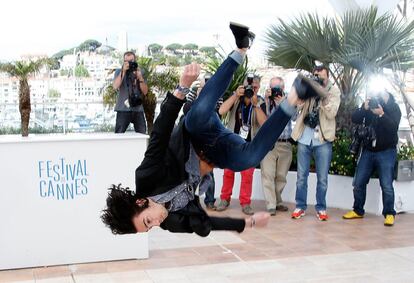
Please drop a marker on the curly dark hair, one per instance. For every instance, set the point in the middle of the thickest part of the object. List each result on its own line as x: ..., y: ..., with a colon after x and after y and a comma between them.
x: 121, y: 207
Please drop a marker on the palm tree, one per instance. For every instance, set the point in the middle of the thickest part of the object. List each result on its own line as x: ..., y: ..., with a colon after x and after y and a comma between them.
x: 214, y: 62
x: 356, y: 46
x: 158, y: 83
x: 22, y: 70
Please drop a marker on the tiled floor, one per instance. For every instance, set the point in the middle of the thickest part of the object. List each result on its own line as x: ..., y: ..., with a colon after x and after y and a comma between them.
x: 303, y: 250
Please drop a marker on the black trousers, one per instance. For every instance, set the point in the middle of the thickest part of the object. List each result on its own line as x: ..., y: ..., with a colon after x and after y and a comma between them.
x: 124, y: 118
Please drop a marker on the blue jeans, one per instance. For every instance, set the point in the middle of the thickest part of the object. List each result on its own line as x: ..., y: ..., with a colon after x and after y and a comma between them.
x: 384, y: 162
x: 223, y: 147
x: 209, y: 198
x: 322, y: 155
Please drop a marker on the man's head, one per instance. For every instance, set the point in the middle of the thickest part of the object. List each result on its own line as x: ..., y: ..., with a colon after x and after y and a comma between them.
x: 126, y: 213
x: 255, y: 86
x: 322, y: 72
x: 129, y: 56
x: 277, y: 82
x: 277, y: 87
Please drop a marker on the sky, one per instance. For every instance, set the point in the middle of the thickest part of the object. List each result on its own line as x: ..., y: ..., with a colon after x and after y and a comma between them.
x: 46, y: 27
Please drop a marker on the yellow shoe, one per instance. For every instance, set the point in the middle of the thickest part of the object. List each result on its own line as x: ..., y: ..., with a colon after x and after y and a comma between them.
x: 389, y: 220
x: 351, y: 215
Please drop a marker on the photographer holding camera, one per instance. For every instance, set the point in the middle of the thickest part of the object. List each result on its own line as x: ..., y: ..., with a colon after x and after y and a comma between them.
x: 377, y: 132
x: 247, y: 114
x: 276, y: 164
x: 315, y: 131
x: 131, y: 86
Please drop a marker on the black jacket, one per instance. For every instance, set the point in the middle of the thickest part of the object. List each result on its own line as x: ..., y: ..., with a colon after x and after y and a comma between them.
x: 386, y: 127
x: 163, y: 168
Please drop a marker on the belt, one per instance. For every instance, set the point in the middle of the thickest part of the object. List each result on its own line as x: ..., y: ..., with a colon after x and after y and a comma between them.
x: 283, y: 140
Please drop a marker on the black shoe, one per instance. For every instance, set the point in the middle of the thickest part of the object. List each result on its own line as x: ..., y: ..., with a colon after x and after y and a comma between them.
x: 244, y: 37
x: 281, y: 207
x: 307, y: 88
x: 272, y: 211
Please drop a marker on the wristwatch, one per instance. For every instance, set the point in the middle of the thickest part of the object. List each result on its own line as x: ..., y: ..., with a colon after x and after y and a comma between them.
x: 183, y: 90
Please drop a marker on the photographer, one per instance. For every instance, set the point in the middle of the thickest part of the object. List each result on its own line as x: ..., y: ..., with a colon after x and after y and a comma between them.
x: 315, y: 131
x: 247, y: 114
x: 382, y: 115
x: 276, y: 164
x: 131, y: 86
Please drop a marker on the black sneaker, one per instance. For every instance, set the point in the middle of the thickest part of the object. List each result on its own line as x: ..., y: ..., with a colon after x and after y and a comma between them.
x: 244, y: 37
x: 307, y: 88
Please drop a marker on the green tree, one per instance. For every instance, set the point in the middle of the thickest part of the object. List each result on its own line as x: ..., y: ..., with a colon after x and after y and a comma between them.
x: 208, y: 50
x: 89, y: 45
x: 81, y: 71
x: 154, y: 48
x: 191, y: 48
x: 22, y: 70
x: 59, y: 55
x: 356, y: 46
x: 174, y: 47
x: 158, y: 82
x: 109, y: 95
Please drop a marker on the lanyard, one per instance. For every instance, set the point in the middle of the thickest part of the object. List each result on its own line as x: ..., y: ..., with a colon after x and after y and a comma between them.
x: 248, y: 118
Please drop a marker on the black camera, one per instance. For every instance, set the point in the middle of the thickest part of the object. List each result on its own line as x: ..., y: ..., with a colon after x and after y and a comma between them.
x: 276, y: 91
x: 317, y: 79
x: 248, y: 89
x: 374, y: 102
x: 133, y: 66
x: 312, y: 119
x: 134, y: 90
x: 362, y: 135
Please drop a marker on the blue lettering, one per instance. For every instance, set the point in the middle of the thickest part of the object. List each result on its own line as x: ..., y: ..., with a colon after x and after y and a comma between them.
x: 79, y: 171
x: 56, y: 171
x: 50, y: 191
x: 60, y: 191
x: 40, y: 169
x: 84, y: 168
x: 42, y: 185
x: 63, y: 166
x: 84, y: 182
x: 48, y: 168
x: 70, y: 170
x: 69, y: 190
x: 77, y: 185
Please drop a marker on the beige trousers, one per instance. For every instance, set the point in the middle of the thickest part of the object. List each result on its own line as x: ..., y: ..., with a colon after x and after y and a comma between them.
x: 274, y: 169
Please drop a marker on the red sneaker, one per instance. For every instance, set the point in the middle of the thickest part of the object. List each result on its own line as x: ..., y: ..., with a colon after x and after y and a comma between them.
x: 322, y: 215
x: 298, y: 213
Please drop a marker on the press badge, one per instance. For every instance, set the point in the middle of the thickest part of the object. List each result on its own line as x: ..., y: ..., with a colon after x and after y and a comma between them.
x: 316, y: 132
x: 244, y: 132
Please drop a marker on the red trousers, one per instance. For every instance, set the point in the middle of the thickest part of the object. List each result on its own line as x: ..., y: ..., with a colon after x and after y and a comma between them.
x: 245, y: 186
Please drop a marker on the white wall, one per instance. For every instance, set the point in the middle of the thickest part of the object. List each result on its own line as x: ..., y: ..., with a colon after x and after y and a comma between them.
x: 38, y: 227
x: 339, y: 193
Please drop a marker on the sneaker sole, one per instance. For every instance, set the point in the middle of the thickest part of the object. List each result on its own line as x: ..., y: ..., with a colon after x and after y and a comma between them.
x: 350, y: 218
x: 239, y: 25
x: 298, y: 217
